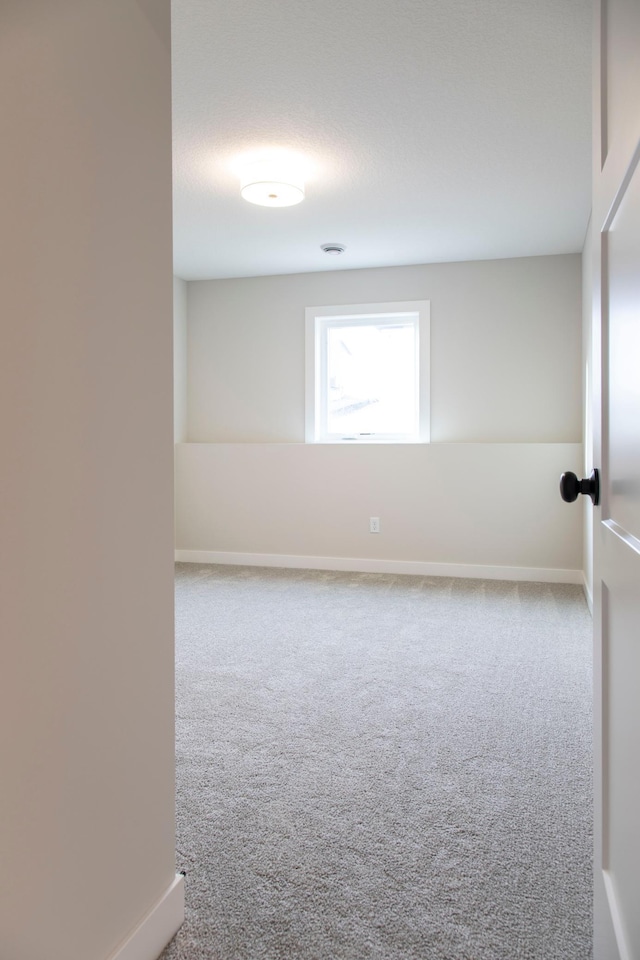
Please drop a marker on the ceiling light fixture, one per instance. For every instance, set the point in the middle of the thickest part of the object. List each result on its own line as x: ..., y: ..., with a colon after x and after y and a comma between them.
x: 271, y: 183
x: 334, y: 249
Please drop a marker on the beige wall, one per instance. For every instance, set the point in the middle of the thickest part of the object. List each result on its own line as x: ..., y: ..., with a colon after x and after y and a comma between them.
x: 471, y: 504
x: 505, y: 341
x: 86, y: 681
x: 506, y: 421
x: 179, y: 360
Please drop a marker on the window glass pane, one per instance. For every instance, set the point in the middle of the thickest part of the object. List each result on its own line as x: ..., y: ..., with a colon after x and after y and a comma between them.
x: 371, y: 378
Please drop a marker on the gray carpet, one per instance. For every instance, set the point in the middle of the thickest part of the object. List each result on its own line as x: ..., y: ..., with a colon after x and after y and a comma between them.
x: 384, y: 767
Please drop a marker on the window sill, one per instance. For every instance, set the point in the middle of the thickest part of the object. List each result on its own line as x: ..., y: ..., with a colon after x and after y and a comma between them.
x: 367, y: 441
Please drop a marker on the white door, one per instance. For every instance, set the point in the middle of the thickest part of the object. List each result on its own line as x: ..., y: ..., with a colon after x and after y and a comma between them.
x: 616, y: 365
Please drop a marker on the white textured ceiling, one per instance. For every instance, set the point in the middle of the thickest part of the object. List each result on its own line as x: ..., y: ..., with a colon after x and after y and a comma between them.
x: 432, y: 129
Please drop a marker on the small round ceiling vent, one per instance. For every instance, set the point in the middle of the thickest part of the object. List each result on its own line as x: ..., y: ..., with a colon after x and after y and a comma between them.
x: 335, y: 249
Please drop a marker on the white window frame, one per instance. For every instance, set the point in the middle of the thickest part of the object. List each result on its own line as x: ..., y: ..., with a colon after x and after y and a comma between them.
x: 318, y: 320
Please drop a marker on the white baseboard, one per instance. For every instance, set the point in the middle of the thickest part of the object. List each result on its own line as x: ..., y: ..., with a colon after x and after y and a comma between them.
x: 587, y: 593
x: 156, y: 929
x: 414, y: 567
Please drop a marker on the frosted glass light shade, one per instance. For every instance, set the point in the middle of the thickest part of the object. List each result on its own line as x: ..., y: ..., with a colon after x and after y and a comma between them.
x: 270, y: 185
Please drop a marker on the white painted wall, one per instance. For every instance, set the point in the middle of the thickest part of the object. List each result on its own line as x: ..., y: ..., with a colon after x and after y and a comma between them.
x: 505, y: 337
x: 471, y: 504
x: 587, y: 403
x: 179, y: 360
x: 86, y: 612
x: 506, y: 420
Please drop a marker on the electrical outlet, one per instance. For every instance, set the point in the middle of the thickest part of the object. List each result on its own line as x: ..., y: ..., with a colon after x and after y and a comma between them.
x: 374, y: 524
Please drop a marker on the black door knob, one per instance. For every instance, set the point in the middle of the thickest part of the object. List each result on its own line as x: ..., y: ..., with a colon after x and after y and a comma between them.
x: 571, y: 487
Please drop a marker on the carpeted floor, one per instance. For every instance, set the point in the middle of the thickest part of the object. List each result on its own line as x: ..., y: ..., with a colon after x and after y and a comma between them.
x: 384, y: 767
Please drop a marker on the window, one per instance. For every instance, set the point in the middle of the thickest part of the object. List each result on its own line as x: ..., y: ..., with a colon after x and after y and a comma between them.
x: 367, y: 373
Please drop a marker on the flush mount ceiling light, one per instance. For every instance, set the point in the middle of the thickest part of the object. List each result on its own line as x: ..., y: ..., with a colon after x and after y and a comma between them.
x: 334, y: 249
x: 271, y: 183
